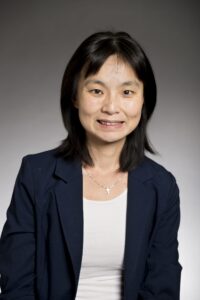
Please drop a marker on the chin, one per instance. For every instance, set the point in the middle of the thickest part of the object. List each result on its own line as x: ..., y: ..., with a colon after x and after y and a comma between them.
x: 106, y: 138
x: 113, y: 140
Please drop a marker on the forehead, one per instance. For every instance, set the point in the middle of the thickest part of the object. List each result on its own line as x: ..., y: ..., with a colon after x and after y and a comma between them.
x: 114, y: 68
x: 114, y: 65
x: 116, y: 62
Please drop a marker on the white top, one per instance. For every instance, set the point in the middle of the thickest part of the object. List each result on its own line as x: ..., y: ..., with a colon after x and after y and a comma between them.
x: 103, y: 249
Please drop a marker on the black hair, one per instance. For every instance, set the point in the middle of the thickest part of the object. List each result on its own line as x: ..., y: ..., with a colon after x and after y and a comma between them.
x: 90, y: 56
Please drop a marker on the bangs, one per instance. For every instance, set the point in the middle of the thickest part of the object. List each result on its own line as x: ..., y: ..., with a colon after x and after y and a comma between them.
x: 97, y: 59
x: 94, y: 53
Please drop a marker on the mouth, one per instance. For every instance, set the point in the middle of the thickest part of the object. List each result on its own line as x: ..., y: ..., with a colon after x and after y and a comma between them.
x: 109, y: 122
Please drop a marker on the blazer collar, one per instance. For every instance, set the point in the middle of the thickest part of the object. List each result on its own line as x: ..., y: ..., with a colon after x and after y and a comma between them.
x: 67, y: 169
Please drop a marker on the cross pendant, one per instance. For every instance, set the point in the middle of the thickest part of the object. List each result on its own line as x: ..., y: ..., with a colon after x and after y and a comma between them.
x: 108, y: 190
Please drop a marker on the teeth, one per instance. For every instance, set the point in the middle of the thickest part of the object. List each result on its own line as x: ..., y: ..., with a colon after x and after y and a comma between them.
x: 109, y: 122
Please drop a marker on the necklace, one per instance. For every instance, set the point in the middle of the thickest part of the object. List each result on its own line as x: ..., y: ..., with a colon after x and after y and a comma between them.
x: 107, y: 188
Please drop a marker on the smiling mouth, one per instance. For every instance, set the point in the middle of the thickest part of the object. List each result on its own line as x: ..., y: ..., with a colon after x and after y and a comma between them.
x: 110, y: 123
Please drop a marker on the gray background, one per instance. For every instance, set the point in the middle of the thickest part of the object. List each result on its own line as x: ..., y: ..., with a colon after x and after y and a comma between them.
x: 38, y: 38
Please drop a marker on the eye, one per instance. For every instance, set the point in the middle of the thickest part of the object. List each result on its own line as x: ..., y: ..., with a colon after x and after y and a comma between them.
x: 128, y: 92
x: 96, y: 91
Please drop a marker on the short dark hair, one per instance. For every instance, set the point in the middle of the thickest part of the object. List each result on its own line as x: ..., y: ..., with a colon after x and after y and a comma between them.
x: 90, y: 56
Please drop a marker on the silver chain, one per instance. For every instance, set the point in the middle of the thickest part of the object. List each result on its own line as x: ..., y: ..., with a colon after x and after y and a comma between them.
x: 107, y: 188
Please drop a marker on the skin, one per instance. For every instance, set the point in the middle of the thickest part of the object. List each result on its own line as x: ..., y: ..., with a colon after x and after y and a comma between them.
x: 109, y: 104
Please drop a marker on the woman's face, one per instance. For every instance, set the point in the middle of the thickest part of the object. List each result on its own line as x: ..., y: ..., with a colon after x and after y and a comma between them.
x: 110, y: 102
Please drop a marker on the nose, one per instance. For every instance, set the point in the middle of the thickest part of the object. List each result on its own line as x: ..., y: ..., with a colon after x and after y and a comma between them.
x: 110, y: 104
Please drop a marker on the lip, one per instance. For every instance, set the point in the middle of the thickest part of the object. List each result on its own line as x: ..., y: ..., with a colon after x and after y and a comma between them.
x: 110, y: 124
x: 110, y: 121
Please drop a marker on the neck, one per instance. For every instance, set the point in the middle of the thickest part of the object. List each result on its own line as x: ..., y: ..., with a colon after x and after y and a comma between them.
x: 105, y: 157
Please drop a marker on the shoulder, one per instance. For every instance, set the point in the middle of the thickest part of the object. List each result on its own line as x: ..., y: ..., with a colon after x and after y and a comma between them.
x: 163, y: 182
x: 155, y: 178
x: 40, y: 165
x: 150, y: 170
x: 41, y: 159
x: 158, y: 171
x: 49, y: 165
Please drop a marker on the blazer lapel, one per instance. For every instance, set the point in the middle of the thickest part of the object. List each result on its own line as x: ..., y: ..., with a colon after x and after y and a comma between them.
x: 140, y: 207
x: 68, y: 194
x: 140, y: 210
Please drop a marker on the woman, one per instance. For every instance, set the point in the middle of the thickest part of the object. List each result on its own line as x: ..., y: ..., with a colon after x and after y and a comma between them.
x: 96, y: 218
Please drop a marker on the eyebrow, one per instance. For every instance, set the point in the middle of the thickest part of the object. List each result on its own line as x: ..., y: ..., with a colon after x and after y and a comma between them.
x: 136, y: 83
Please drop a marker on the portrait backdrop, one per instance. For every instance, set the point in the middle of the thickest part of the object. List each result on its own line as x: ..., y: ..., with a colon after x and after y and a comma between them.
x: 37, y: 38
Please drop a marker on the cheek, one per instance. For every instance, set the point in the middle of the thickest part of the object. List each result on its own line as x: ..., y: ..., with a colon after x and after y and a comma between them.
x: 85, y: 111
x: 133, y: 109
x: 88, y: 107
x: 87, y: 114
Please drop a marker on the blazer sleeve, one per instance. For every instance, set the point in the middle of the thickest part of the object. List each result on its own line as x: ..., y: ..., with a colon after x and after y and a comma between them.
x: 162, y: 281
x: 17, y: 242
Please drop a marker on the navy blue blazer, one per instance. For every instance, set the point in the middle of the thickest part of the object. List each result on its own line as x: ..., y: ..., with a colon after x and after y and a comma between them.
x: 42, y: 238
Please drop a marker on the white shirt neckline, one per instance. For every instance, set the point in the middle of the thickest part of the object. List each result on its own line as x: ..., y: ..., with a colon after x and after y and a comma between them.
x: 119, y: 197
